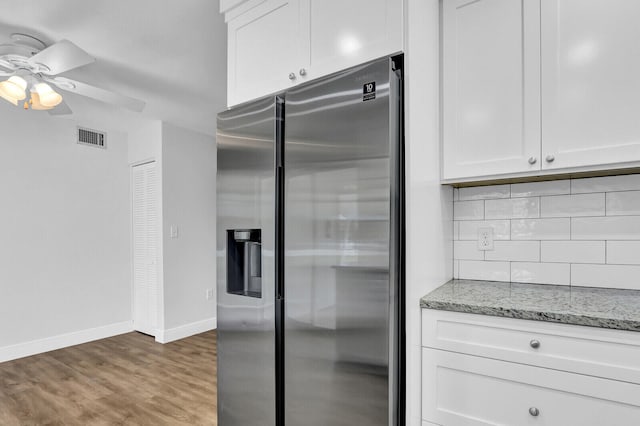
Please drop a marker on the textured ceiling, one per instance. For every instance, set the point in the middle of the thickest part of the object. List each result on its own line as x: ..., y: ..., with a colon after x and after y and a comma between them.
x: 169, y: 53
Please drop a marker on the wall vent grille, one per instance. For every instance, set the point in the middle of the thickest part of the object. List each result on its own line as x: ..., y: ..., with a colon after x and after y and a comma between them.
x: 92, y: 138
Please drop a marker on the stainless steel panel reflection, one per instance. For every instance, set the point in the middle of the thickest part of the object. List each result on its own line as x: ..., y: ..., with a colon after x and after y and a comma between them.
x: 246, y: 200
x: 337, y: 251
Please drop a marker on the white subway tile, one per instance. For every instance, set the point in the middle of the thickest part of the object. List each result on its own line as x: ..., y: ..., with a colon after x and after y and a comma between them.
x: 623, y: 252
x: 623, y: 203
x: 610, y: 276
x: 469, y: 229
x: 456, y: 269
x: 456, y: 230
x: 532, y: 189
x: 482, y: 270
x: 541, y: 229
x: 606, y: 184
x: 541, y: 273
x: 456, y: 195
x: 523, y: 251
x: 512, y: 208
x: 467, y: 250
x: 468, y: 210
x: 572, y: 205
x: 606, y: 228
x: 573, y: 251
x: 485, y: 192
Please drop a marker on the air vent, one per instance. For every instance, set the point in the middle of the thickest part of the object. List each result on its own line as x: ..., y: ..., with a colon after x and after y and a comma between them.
x: 92, y: 138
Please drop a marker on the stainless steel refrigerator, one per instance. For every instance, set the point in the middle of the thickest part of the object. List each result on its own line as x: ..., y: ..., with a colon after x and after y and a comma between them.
x: 310, y: 254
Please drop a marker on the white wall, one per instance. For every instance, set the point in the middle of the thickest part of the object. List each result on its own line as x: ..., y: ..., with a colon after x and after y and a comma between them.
x: 583, y: 232
x: 64, y: 251
x: 429, y: 205
x: 189, y: 202
x: 145, y: 142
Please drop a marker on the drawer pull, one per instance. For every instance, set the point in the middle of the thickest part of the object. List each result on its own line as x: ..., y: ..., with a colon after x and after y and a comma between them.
x: 534, y: 411
x: 535, y: 344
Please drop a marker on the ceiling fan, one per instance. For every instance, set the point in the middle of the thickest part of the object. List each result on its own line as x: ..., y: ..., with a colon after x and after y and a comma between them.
x: 33, y: 68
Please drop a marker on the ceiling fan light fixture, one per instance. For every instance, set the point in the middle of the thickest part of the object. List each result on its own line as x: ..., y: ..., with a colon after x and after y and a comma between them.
x: 46, y: 95
x: 13, y: 89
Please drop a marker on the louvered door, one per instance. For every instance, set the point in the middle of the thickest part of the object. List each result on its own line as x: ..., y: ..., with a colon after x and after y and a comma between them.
x: 145, y: 243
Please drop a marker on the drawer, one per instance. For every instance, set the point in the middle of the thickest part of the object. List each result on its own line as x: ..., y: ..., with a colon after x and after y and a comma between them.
x: 464, y: 390
x: 594, y: 351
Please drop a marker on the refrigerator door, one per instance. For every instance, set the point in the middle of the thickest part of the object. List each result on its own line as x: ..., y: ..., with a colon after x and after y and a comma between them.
x: 245, y: 265
x: 338, y: 328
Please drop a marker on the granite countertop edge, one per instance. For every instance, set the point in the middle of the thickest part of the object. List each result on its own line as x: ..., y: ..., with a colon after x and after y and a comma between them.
x: 556, y: 304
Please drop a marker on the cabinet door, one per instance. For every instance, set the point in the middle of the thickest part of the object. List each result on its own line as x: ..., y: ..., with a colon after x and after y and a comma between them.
x: 466, y: 390
x: 264, y: 48
x: 342, y: 33
x: 590, y: 82
x: 491, y: 82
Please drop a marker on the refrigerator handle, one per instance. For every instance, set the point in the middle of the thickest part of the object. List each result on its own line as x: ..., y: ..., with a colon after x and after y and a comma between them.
x: 280, y: 187
x: 397, y: 339
x: 279, y: 266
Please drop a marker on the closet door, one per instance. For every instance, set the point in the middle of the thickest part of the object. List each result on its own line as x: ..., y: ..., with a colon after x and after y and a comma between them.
x: 145, y: 244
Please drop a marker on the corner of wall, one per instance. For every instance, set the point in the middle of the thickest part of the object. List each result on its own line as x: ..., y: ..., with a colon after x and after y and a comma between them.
x: 176, y: 333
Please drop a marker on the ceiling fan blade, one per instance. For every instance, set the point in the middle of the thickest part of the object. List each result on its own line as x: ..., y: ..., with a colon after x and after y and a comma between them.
x: 61, y: 109
x: 97, y: 93
x: 6, y: 68
x: 60, y: 57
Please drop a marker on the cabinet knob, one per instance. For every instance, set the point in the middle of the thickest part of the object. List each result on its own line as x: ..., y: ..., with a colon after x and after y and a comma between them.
x: 292, y: 76
x: 303, y: 72
x: 532, y: 160
x: 534, y: 411
x: 550, y: 158
x: 535, y: 344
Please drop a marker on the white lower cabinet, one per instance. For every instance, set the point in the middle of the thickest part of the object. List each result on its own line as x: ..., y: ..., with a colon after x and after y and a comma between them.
x: 465, y: 390
x: 481, y: 370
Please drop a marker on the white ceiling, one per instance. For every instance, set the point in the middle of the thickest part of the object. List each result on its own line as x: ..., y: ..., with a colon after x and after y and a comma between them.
x: 169, y: 53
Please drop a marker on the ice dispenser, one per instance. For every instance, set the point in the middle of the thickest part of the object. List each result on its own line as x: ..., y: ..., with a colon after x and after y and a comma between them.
x: 244, y: 262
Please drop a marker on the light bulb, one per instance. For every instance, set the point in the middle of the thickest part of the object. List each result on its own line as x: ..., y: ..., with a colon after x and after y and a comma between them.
x: 48, y: 97
x: 36, y: 104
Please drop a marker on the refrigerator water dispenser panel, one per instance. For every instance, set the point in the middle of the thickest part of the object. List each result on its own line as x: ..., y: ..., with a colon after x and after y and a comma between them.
x: 244, y: 262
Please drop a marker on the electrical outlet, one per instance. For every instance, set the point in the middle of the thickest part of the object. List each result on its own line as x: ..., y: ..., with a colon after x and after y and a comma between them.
x: 209, y: 294
x: 173, y: 230
x: 485, y: 239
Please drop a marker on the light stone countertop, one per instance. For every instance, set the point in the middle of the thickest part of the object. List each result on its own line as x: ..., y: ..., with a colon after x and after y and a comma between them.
x: 595, y: 307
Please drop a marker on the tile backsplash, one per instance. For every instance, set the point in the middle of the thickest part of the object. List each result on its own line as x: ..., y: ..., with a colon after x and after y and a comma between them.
x: 583, y: 232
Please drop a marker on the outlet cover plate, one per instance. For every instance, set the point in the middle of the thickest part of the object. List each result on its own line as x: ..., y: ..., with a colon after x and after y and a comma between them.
x: 485, y: 239
x: 209, y: 294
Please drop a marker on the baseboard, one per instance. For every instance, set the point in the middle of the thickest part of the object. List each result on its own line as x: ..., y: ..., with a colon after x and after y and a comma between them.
x: 177, y: 333
x: 34, y: 347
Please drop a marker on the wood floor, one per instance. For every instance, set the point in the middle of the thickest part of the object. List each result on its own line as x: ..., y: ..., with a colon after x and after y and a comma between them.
x: 124, y: 380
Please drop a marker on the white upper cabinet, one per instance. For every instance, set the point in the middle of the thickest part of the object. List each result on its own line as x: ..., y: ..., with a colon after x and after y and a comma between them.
x: 276, y: 44
x: 539, y: 87
x: 590, y: 82
x: 347, y: 33
x: 264, y: 49
x: 491, y: 98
